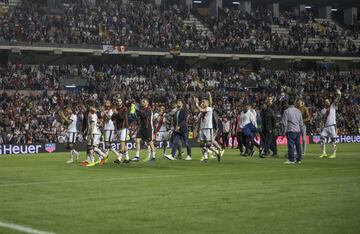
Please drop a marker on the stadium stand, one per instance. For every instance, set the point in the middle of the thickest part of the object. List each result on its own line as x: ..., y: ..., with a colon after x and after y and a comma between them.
x: 141, y: 25
x: 34, y: 92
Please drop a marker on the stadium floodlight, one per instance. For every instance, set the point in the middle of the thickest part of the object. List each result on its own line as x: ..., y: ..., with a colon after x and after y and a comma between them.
x: 198, y: 2
x: 334, y: 9
x: 236, y: 3
x: 307, y: 7
x: 58, y: 51
x: 70, y: 86
x: 15, y: 50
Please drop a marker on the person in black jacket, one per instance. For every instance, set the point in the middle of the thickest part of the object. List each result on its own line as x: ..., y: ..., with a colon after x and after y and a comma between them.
x: 181, y: 131
x: 268, y: 128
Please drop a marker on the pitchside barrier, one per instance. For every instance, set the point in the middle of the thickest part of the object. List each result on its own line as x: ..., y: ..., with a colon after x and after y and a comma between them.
x: 81, y: 146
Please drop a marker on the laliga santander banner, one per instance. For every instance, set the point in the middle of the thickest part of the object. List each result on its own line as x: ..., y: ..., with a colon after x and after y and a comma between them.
x: 339, y: 139
x: 280, y: 140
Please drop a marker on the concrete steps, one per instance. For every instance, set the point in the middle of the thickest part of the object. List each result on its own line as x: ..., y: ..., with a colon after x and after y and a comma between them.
x: 199, y: 26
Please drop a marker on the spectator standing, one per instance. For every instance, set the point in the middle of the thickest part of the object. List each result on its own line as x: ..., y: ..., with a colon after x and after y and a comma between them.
x: 306, y: 118
x: 226, y: 131
x: 268, y: 129
x: 293, y: 124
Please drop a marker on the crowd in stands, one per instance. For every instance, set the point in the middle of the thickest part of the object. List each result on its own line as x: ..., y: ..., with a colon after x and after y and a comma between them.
x: 137, y: 24
x: 32, y: 118
x: 237, y: 30
x: 119, y: 77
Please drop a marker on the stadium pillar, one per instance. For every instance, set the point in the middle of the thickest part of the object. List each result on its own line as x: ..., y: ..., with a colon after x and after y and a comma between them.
x: 214, y: 6
x: 158, y: 2
x: 274, y: 7
x: 350, y: 16
x: 301, y: 8
x: 245, y: 6
x: 325, y: 12
x: 187, y: 3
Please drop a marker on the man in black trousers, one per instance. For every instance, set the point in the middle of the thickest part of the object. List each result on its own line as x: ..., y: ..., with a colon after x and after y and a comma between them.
x: 268, y: 129
x: 181, y: 131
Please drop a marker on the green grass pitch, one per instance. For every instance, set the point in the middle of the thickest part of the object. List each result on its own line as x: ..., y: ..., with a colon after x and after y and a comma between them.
x: 238, y: 195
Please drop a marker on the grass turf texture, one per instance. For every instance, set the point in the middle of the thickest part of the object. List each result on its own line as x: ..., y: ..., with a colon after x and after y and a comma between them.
x: 238, y: 195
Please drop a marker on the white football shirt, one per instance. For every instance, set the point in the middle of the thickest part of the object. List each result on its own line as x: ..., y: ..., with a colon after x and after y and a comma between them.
x: 157, y: 118
x: 206, y: 119
x: 92, y: 118
x: 331, y: 115
x: 109, y: 124
x: 72, y: 125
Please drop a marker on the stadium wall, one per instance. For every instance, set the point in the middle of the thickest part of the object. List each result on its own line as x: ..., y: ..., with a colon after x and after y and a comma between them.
x: 34, y: 149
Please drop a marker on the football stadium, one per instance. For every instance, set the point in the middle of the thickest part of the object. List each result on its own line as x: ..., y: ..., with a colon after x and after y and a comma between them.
x: 179, y: 116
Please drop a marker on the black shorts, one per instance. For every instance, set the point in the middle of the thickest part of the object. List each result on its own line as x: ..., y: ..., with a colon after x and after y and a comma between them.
x: 144, y: 134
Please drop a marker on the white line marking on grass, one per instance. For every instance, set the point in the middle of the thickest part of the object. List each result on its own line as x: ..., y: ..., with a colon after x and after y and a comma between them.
x: 24, y: 229
x: 86, y: 181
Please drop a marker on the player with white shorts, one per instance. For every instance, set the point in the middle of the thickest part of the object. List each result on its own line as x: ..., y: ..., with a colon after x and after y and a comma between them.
x: 329, y: 130
x: 206, y: 134
x: 70, y: 119
x: 161, y: 129
x: 93, y: 137
x: 109, y: 129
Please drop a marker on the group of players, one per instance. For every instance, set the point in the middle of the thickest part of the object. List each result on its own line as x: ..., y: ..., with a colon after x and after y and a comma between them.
x: 157, y: 129
x: 154, y: 129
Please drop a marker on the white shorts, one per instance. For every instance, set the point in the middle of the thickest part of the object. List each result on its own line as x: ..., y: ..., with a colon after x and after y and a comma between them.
x: 93, y: 140
x: 123, y: 134
x: 162, y: 136
x: 71, y: 137
x: 109, y: 135
x: 206, y: 135
x: 329, y: 132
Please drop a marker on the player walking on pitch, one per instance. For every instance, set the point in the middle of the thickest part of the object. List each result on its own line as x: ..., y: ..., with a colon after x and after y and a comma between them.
x: 206, y: 134
x: 161, y: 129
x: 109, y: 128
x: 329, y: 130
x: 145, y: 131
x: 93, y: 136
x: 120, y: 118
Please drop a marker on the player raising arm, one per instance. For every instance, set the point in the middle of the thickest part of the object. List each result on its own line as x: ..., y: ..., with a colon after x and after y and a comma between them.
x: 206, y: 134
x: 161, y: 129
x: 70, y: 120
x: 120, y: 118
x: 329, y: 130
x: 145, y: 131
x: 93, y: 136
x: 109, y: 128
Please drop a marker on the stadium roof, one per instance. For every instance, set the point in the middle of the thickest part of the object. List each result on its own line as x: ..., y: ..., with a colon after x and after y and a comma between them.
x: 287, y: 3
